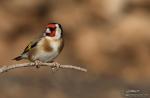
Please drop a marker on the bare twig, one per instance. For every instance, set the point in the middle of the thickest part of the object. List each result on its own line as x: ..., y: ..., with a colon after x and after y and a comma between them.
x: 51, y: 65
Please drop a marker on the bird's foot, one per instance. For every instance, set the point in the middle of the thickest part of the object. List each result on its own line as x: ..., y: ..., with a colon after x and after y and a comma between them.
x: 56, y: 66
x: 37, y: 63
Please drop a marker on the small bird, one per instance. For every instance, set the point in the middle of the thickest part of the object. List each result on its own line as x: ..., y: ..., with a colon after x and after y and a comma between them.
x: 46, y: 48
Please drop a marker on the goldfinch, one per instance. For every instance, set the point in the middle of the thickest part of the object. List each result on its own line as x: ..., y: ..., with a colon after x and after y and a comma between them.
x: 47, y: 47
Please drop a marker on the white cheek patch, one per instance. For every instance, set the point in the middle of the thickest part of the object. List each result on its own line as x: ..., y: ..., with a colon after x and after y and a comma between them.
x: 58, y: 32
x: 48, y: 30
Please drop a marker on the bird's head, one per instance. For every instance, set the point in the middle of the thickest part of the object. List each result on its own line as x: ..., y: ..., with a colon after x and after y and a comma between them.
x: 53, y: 30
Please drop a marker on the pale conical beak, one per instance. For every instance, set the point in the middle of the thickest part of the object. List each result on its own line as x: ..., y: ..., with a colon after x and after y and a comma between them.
x: 48, y: 30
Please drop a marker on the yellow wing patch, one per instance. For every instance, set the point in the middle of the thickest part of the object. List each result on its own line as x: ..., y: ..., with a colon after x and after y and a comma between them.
x: 30, y: 46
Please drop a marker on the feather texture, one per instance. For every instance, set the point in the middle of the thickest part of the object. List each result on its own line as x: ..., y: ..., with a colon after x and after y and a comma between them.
x: 46, y: 48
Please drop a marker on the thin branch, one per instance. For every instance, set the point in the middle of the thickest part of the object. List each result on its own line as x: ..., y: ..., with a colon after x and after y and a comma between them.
x: 51, y: 65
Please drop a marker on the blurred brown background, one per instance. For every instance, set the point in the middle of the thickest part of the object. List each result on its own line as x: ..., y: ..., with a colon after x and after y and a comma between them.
x: 111, y: 38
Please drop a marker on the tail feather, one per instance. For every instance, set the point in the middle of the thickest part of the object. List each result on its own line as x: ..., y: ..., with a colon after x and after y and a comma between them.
x: 17, y: 58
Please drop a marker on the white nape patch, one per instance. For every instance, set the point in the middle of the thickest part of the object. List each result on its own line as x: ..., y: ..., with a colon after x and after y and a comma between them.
x: 48, y: 30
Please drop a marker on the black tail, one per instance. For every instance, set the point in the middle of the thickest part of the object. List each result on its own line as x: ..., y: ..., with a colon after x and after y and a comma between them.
x: 17, y: 58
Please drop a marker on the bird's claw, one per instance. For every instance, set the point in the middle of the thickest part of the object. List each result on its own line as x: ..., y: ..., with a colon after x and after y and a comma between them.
x: 55, y: 67
x: 37, y: 63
